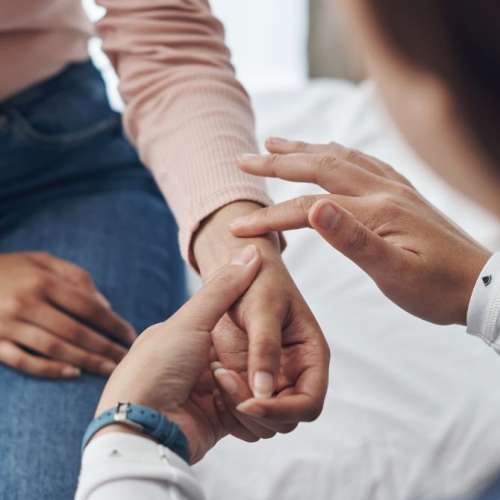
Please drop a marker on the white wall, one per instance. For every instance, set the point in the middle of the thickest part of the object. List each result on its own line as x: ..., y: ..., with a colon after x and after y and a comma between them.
x: 268, y: 39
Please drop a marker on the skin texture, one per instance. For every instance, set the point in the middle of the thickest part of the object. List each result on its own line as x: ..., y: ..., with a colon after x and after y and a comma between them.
x: 52, y: 319
x: 271, y: 330
x: 182, y: 380
x: 376, y: 218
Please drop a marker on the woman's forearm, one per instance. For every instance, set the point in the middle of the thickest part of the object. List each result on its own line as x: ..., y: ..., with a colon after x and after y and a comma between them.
x: 185, y: 111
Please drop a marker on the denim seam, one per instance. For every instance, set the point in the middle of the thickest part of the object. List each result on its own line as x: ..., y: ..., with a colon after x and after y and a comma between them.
x: 23, y: 127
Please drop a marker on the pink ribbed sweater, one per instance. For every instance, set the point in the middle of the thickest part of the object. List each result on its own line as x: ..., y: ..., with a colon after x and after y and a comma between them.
x: 184, y: 110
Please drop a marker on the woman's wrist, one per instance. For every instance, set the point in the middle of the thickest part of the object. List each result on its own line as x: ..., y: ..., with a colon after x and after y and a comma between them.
x: 214, y: 244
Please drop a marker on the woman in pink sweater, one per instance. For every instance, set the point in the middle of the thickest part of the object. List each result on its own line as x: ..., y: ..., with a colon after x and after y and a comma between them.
x: 87, y: 239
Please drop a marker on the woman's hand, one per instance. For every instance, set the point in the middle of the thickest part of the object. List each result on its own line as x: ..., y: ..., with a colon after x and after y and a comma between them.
x: 52, y: 319
x: 168, y: 367
x: 375, y: 217
x: 270, y: 336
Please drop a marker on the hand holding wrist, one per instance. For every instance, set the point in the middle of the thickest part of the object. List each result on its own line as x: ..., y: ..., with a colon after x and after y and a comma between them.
x: 168, y: 366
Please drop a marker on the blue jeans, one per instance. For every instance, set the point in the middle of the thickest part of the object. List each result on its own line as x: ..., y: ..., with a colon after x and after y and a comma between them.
x: 72, y: 185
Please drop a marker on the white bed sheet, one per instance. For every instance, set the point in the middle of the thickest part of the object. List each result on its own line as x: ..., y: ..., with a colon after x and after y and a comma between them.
x: 413, y: 409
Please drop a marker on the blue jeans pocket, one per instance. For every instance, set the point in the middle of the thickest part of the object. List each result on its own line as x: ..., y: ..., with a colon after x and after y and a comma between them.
x: 65, y: 110
x: 68, y: 133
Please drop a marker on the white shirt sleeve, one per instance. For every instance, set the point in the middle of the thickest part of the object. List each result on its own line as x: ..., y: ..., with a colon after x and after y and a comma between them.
x: 483, y: 313
x: 130, y: 467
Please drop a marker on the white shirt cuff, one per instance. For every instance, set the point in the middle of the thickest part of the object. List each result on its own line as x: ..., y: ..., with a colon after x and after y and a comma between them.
x: 116, y: 457
x: 483, y: 313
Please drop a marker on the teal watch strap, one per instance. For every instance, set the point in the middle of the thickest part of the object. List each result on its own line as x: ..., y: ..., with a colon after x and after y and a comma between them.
x: 146, y: 420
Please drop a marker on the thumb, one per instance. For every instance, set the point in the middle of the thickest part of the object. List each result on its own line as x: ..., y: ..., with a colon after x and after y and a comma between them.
x: 221, y: 291
x: 345, y: 233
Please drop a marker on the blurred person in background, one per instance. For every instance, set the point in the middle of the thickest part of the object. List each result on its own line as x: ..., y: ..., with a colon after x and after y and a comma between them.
x: 437, y: 66
x: 88, y: 246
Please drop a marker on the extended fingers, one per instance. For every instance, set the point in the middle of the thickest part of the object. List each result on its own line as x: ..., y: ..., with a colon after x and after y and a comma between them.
x: 332, y: 173
x: 55, y: 348
x: 291, y: 214
x: 73, y: 341
x: 18, y: 359
x: 88, y: 307
x: 368, y: 162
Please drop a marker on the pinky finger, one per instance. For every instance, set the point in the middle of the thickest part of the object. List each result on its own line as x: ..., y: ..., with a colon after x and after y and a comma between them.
x: 14, y: 357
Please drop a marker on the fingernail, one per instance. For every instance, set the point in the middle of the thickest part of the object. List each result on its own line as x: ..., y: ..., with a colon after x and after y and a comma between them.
x: 104, y: 300
x: 71, y: 372
x: 245, y: 257
x: 108, y: 367
x: 263, y: 385
x: 226, y: 381
x: 219, y: 402
x: 215, y: 365
x: 327, y: 217
x: 250, y: 408
x: 277, y: 140
x: 248, y: 158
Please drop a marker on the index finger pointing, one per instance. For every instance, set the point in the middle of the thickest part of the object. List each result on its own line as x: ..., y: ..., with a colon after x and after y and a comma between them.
x: 289, y: 215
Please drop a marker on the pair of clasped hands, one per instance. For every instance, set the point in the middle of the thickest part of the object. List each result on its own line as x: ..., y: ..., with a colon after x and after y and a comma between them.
x: 374, y: 216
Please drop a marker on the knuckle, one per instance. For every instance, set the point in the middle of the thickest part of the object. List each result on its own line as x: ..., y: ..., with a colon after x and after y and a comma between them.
x: 93, y: 309
x: 82, y: 277
x: 13, y: 305
x: 76, y: 336
x: 273, y: 161
x: 325, y: 166
x: 53, y: 348
x: 288, y: 428
x: 358, y: 239
x: 388, y: 205
x: 407, y: 192
x: 266, y: 346
x: 39, y: 283
x: 17, y: 360
x: 353, y: 155
x: 261, y: 215
x: 303, y: 204
x: 313, y: 412
x: 41, y: 255
x: 268, y: 434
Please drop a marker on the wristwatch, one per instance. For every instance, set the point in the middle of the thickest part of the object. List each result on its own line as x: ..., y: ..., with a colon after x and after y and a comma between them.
x: 143, y: 419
